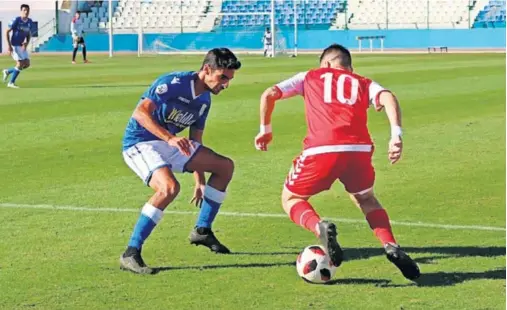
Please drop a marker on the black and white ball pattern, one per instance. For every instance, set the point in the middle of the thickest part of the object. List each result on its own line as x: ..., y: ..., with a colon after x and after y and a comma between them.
x: 314, y: 265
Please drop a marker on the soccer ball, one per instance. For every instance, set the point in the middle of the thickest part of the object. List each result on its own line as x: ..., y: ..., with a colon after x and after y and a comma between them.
x: 314, y: 265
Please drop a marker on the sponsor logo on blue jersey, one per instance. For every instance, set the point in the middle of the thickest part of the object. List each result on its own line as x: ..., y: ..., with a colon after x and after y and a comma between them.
x: 177, y: 107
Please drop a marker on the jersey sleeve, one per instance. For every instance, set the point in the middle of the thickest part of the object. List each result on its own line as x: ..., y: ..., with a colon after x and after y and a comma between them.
x: 293, y: 86
x: 14, y: 23
x: 73, y: 26
x: 161, y: 90
x: 374, y: 91
x: 201, y: 122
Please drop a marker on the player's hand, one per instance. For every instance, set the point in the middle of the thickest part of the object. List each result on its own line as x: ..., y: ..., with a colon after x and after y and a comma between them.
x: 10, y: 49
x: 198, y: 195
x: 262, y: 140
x: 395, y: 149
x: 183, y: 144
x: 24, y: 45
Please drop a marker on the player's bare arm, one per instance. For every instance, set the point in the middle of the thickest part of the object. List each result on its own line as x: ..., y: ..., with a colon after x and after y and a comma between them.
x: 390, y: 103
x: 143, y: 115
x: 8, y: 36
x: 268, y: 100
x: 25, y: 45
x: 199, y: 177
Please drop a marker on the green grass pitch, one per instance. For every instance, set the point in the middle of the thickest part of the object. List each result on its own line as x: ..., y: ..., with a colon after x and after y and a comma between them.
x: 60, y: 138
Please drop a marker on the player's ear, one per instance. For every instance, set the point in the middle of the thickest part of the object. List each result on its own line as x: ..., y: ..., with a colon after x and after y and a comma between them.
x: 205, y: 68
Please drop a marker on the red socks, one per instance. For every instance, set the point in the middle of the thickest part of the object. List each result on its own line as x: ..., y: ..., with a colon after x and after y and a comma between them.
x: 379, y: 223
x: 305, y: 216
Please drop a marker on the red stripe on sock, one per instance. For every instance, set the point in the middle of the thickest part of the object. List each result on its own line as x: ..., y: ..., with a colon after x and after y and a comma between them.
x: 379, y: 223
x: 305, y: 216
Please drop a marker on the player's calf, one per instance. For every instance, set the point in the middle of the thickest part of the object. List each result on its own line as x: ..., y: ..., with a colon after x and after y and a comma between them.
x: 380, y: 224
x: 376, y: 216
x: 25, y: 64
x: 300, y: 211
x: 166, y: 189
x: 221, y: 169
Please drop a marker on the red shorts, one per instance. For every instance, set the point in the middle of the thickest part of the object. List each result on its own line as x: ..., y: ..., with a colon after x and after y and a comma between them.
x: 313, y: 174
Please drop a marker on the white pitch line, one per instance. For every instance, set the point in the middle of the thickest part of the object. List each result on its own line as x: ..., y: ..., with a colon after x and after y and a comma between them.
x: 239, y: 214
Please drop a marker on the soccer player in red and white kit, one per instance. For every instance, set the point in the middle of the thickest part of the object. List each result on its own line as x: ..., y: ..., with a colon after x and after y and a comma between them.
x: 337, y: 146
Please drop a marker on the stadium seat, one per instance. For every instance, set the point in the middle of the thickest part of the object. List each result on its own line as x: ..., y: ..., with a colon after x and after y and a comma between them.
x: 406, y: 14
x: 492, y: 15
x: 316, y: 12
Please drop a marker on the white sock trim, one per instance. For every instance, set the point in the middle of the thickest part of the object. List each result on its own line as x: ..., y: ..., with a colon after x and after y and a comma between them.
x: 214, y: 194
x: 153, y: 213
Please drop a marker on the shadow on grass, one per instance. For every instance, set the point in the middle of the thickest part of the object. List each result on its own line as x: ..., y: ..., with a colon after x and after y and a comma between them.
x: 432, y: 279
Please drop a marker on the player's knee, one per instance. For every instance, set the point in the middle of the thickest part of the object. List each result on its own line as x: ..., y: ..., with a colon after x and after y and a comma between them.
x: 170, y: 190
x: 26, y: 65
x: 227, y: 167
x: 286, y: 197
x: 367, y: 198
x: 290, y: 199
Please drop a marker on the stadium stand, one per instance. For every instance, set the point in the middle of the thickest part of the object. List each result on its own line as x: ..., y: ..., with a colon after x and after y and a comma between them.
x: 406, y: 14
x: 155, y: 16
x: 312, y: 13
x: 203, y: 16
x: 492, y: 15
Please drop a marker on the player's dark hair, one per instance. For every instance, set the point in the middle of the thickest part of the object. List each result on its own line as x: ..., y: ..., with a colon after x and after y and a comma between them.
x: 24, y: 6
x: 339, y: 52
x: 221, y: 58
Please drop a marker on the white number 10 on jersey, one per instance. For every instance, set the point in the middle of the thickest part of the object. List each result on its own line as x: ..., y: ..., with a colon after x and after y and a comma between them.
x: 340, y: 88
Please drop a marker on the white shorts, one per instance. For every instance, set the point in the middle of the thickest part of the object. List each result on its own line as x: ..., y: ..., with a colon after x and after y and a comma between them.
x: 19, y: 53
x: 145, y: 158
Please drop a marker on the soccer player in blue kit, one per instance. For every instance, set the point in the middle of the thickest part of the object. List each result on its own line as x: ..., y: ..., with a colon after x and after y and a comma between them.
x: 17, y: 44
x: 152, y: 150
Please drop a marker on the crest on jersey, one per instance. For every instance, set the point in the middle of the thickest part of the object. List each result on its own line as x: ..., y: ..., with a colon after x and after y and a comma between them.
x: 161, y: 89
x: 203, y: 108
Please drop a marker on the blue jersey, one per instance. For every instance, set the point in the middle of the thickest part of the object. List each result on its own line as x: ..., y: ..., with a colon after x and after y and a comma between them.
x: 20, y: 30
x: 177, y: 107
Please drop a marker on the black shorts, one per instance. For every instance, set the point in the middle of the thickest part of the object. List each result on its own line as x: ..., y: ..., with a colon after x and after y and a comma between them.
x: 79, y: 40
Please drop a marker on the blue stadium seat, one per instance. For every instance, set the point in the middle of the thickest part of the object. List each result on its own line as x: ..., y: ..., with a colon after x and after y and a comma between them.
x: 493, y: 15
x: 310, y: 12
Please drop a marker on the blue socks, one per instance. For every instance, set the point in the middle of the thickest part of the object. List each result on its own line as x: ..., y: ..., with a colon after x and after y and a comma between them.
x: 213, y: 199
x: 15, y: 73
x: 149, y: 218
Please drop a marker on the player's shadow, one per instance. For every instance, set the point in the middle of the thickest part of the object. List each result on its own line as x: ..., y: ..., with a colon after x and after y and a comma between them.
x: 293, y: 253
x: 354, y: 281
x: 436, y: 279
x: 225, y: 266
x: 436, y: 252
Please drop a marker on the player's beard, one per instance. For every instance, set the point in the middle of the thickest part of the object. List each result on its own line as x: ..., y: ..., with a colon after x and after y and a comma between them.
x: 215, y: 90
